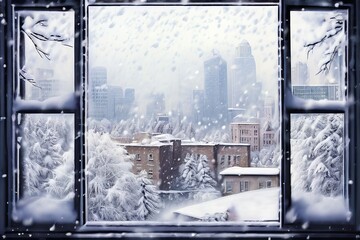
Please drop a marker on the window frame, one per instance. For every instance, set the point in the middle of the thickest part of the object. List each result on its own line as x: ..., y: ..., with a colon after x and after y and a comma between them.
x: 227, y: 230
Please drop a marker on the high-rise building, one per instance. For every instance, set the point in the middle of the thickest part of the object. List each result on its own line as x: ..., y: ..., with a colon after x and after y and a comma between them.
x: 299, y: 74
x: 244, y: 89
x: 46, y: 85
x: 198, y: 105
x: 115, y: 99
x: 317, y: 92
x: 156, y: 104
x: 98, y: 93
x: 215, y: 91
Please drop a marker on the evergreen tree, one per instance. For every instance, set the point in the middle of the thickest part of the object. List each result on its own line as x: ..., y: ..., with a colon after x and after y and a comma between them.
x: 189, y: 173
x: 149, y: 203
x: 317, y: 153
x: 111, y: 190
x: 205, y: 180
x: 47, y: 147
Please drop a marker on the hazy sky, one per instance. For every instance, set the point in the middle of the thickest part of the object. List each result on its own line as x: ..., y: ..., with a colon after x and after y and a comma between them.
x: 61, y: 57
x: 307, y: 27
x: 163, y: 49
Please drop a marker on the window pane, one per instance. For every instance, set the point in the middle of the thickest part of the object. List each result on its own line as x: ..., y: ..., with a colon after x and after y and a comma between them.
x: 46, y: 46
x: 180, y: 99
x: 319, y: 54
x: 46, y: 165
x: 317, y: 167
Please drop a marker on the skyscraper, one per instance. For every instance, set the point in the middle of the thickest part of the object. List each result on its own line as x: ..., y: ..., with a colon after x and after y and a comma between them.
x: 215, y: 86
x: 244, y: 88
x: 47, y: 85
x: 98, y: 93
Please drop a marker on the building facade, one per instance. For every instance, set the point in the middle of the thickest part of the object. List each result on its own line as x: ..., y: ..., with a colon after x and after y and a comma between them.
x: 215, y: 89
x: 238, y: 179
x: 246, y: 133
x: 244, y: 88
x: 46, y: 85
x: 318, y: 92
x: 157, y: 160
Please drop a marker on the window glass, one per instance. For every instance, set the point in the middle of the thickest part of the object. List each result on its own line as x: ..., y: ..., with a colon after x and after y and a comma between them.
x: 46, y: 45
x: 317, y: 167
x: 46, y: 168
x: 318, y: 54
x: 174, y: 83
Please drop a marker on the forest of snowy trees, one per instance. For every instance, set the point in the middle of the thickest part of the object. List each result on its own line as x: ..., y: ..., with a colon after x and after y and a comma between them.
x: 182, y: 129
x: 47, y: 148
x: 317, y: 153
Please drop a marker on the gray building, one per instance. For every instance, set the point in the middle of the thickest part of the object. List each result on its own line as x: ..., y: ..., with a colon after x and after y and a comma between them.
x: 319, y: 92
x: 98, y: 93
x: 215, y: 90
x: 244, y: 89
x: 47, y: 86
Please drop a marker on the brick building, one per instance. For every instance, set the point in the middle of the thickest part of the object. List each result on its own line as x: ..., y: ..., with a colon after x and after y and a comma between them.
x: 243, y: 132
x: 239, y: 179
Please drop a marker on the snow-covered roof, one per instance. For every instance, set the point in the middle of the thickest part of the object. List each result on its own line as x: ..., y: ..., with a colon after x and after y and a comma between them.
x: 187, y: 143
x: 233, y: 144
x: 147, y: 144
x: 211, y: 144
x: 257, y: 205
x: 244, y: 123
x: 165, y: 137
x: 250, y: 171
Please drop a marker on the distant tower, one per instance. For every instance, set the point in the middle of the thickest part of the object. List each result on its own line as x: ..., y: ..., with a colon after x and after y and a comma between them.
x: 300, y: 74
x: 47, y: 85
x: 198, y: 105
x: 98, y: 93
x: 243, y: 73
x: 215, y: 95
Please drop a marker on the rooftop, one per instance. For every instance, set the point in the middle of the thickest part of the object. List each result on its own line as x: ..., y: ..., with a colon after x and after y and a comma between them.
x: 238, y: 171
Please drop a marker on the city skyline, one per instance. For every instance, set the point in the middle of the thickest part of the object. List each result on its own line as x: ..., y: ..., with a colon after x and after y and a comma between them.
x: 170, y: 45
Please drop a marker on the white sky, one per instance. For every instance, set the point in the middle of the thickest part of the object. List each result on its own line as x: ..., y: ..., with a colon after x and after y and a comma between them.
x: 162, y: 49
x: 61, y: 57
x: 307, y: 27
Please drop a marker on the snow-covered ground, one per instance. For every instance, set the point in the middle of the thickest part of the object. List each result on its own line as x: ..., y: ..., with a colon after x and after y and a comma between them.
x: 257, y: 205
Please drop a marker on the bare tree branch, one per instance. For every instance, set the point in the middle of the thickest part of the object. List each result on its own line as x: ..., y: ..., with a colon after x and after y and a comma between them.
x: 330, y: 54
x: 36, y: 36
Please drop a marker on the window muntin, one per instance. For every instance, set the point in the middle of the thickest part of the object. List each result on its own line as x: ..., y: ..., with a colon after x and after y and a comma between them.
x: 318, y: 37
x: 44, y: 118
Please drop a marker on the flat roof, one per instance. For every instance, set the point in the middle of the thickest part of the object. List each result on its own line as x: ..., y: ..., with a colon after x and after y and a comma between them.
x: 238, y: 171
x: 152, y: 144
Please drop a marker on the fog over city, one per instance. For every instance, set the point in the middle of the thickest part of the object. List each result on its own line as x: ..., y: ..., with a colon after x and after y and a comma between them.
x: 156, y: 49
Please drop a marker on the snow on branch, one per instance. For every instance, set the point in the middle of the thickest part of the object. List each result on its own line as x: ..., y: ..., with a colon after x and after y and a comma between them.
x: 38, y: 32
x: 333, y: 39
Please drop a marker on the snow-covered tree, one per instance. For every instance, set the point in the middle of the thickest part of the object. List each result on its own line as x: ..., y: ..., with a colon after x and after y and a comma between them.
x: 149, y: 203
x: 189, y: 173
x: 205, y: 180
x: 317, y: 153
x: 47, y: 153
x: 111, y: 185
x: 114, y: 192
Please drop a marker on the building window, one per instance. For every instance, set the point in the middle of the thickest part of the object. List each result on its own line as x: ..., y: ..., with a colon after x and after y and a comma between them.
x: 138, y: 157
x: 228, y: 186
x: 150, y: 157
x: 244, y: 186
x: 268, y: 184
x: 261, y: 184
x: 150, y: 173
